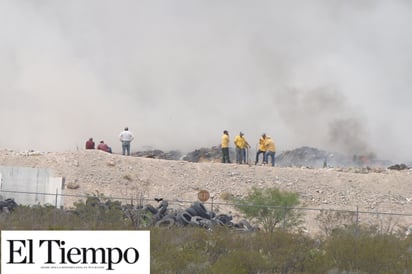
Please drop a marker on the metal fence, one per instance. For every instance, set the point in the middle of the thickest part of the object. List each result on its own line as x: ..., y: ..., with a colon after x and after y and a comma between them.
x: 315, y: 220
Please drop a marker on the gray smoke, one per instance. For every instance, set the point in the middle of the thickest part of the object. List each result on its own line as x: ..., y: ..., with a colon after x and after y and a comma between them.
x: 329, y: 74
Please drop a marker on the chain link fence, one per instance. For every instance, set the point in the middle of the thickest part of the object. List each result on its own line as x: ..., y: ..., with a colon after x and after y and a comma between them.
x: 315, y: 220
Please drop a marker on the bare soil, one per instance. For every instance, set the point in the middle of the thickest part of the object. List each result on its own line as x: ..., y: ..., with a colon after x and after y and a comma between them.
x: 134, y: 178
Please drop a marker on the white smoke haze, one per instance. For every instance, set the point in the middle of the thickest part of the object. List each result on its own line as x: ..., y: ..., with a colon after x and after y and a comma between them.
x: 335, y: 75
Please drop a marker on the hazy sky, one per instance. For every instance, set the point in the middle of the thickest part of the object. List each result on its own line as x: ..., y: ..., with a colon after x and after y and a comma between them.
x: 331, y: 74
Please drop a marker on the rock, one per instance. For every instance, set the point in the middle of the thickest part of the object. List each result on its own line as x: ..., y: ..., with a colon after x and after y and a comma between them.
x: 73, y: 185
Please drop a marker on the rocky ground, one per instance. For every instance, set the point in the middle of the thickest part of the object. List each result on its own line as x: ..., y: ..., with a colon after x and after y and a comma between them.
x: 135, y: 178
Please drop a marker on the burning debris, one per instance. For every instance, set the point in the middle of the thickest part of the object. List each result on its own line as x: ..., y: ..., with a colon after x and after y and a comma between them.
x: 301, y: 157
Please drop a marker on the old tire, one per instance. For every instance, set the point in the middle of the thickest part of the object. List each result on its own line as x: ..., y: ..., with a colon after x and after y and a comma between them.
x: 151, y: 209
x: 184, y: 217
x: 165, y: 222
x: 201, y: 210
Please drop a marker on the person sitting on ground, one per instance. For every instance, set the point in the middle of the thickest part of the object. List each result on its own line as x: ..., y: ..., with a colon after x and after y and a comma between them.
x: 103, y: 146
x: 270, y: 150
x: 262, y: 149
x: 90, y: 144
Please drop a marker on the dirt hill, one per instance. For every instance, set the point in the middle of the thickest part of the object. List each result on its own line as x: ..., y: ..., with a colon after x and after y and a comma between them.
x: 128, y: 177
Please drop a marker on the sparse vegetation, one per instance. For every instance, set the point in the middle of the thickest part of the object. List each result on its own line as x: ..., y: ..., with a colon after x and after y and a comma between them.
x: 329, y: 220
x: 270, y: 208
x: 345, y: 248
x: 226, y: 196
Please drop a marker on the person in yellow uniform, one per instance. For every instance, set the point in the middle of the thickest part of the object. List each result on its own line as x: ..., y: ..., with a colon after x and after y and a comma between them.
x: 270, y: 150
x: 262, y: 149
x: 241, y: 144
x: 225, y: 147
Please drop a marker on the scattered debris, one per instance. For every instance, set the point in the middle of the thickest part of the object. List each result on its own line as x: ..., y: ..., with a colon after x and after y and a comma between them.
x: 398, y: 167
x: 7, y: 205
x: 213, y: 154
x: 159, y: 154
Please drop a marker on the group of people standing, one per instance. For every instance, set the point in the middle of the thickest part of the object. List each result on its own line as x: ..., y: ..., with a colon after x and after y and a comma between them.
x: 267, y: 148
x: 126, y: 137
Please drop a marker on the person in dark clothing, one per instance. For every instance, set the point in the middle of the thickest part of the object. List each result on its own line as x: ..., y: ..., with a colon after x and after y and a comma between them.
x: 90, y: 144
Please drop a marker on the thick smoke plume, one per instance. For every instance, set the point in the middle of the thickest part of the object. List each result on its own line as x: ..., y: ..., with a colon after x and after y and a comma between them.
x: 329, y: 74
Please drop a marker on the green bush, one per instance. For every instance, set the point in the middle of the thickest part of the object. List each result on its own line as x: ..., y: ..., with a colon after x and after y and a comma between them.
x: 363, y: 250
x: 270, y: 208
x: 178, y: 250
x: 331, y: 220
x: 99, y: 212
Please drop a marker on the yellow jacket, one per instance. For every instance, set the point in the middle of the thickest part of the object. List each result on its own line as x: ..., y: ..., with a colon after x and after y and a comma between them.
x: 241, y: 142
x: 225, y: 141
x: 269, y: 144
x: 262, y: 146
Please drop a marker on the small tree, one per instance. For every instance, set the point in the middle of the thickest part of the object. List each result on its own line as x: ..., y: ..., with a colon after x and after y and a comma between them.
x: 271, y: 208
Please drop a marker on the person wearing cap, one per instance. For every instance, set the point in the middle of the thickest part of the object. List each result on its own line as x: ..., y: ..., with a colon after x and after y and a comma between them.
x: 126, y: 137
x: 270, y: 150
x: 262, y: 149
x: 225, y: 147
x: 241, y: 144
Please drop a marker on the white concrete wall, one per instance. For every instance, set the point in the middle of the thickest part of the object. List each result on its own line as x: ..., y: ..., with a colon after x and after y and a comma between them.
x: 31, y: 186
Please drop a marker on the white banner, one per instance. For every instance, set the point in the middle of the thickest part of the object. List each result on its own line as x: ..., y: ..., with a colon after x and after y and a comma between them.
x: 75, y: 252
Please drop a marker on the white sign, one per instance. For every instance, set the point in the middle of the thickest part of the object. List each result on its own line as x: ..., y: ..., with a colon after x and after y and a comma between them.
x: 75, y: 252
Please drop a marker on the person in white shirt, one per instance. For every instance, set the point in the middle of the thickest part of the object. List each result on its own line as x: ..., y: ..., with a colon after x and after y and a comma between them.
x: 126, y: 137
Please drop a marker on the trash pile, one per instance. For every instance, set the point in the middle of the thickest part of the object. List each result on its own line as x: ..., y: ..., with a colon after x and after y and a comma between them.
x: 163, y: 216
x: 213, y: 154
x: 159, y: 154
x: 195, y: 215
x: 399, y: 167
x: 316, y: 158
x: 301, y: 157
x: 7, y: 205
x: 312, y: 157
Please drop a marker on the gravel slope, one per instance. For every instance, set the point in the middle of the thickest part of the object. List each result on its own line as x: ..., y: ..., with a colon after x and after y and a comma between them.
x: 179, y: 181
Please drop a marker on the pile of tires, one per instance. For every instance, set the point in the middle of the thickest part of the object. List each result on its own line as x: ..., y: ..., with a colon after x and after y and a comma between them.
x: 7, y: 205
x: 195, y: 215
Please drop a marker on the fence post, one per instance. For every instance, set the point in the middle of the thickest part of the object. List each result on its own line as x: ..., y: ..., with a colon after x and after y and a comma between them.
x: 57, y: 193
x: 357, y: 223
x: 284, y: 217
x: 356, y: 238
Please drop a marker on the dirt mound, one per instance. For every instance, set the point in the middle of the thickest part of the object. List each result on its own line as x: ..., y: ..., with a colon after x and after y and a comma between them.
x: 129, y: 178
